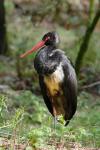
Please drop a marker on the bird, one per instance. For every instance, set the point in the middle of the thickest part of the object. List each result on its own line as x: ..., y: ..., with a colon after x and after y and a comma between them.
x: 57, y: 77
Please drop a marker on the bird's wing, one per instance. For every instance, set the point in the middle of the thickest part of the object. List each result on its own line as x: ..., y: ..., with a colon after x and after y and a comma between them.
x: 69, y: 90
x: 44, y: 93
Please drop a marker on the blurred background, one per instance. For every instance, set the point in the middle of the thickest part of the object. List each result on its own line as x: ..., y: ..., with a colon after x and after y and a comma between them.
x: 25, y: 122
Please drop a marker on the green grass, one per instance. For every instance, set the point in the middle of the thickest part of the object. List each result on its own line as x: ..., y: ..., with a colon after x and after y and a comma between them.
x: 36, y: 123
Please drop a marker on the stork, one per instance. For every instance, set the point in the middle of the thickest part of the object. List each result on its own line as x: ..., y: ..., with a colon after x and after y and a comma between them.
x: 57, y: 77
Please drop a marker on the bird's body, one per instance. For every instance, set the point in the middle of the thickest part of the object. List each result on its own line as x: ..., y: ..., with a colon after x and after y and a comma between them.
x: 57, y: 78
x: 58, y: 82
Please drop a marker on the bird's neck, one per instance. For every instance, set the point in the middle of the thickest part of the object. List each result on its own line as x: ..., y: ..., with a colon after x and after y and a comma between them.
x: 52, y: 47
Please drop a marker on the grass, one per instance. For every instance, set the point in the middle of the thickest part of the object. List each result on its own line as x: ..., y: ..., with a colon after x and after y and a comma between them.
x: 33, y: 123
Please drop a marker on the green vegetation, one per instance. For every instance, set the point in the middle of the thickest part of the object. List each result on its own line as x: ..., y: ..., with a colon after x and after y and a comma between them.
x: 34, y: 124
x: 24, y: 118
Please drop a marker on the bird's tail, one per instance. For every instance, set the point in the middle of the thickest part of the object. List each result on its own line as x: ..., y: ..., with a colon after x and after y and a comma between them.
x: 67, y: 122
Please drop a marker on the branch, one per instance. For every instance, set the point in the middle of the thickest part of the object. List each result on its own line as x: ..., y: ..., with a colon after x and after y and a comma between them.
x: 90, y: 85
x: 85, y: 43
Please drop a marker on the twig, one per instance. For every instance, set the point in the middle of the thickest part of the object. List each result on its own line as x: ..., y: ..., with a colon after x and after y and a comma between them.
x: 90, y: 85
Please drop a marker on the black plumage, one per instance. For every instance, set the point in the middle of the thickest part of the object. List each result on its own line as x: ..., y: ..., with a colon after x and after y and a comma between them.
x: 69, y: 87
x: 57, y: 78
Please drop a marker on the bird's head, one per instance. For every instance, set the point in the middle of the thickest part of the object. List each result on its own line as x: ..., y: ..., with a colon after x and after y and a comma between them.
x: 49, y: 39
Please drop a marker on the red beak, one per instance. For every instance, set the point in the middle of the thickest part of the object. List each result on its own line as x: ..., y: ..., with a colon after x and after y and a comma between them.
x: 36, y: 47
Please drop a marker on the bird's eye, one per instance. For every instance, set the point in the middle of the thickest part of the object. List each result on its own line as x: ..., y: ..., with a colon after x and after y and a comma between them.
x: 48, y: 37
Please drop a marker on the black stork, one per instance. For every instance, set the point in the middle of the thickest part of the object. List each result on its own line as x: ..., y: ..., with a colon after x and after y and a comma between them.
x: 57, y: 77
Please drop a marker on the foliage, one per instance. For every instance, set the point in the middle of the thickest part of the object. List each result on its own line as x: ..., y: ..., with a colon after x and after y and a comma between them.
x: 3, y: 107
x: 33, y: 123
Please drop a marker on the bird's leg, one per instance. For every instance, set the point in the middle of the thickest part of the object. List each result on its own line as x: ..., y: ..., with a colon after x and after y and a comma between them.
x: 55, y: 117
x: 55, y: 121
x: 54, y: 114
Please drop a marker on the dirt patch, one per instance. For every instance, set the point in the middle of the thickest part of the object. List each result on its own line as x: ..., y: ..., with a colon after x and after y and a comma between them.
x: 7, y: 144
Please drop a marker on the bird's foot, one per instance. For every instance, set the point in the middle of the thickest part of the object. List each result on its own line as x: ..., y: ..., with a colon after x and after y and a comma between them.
x: 60, y: 119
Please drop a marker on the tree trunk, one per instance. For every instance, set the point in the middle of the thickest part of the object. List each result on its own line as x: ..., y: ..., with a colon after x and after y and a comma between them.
x: 85, y: 43
x: 3, y: 40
